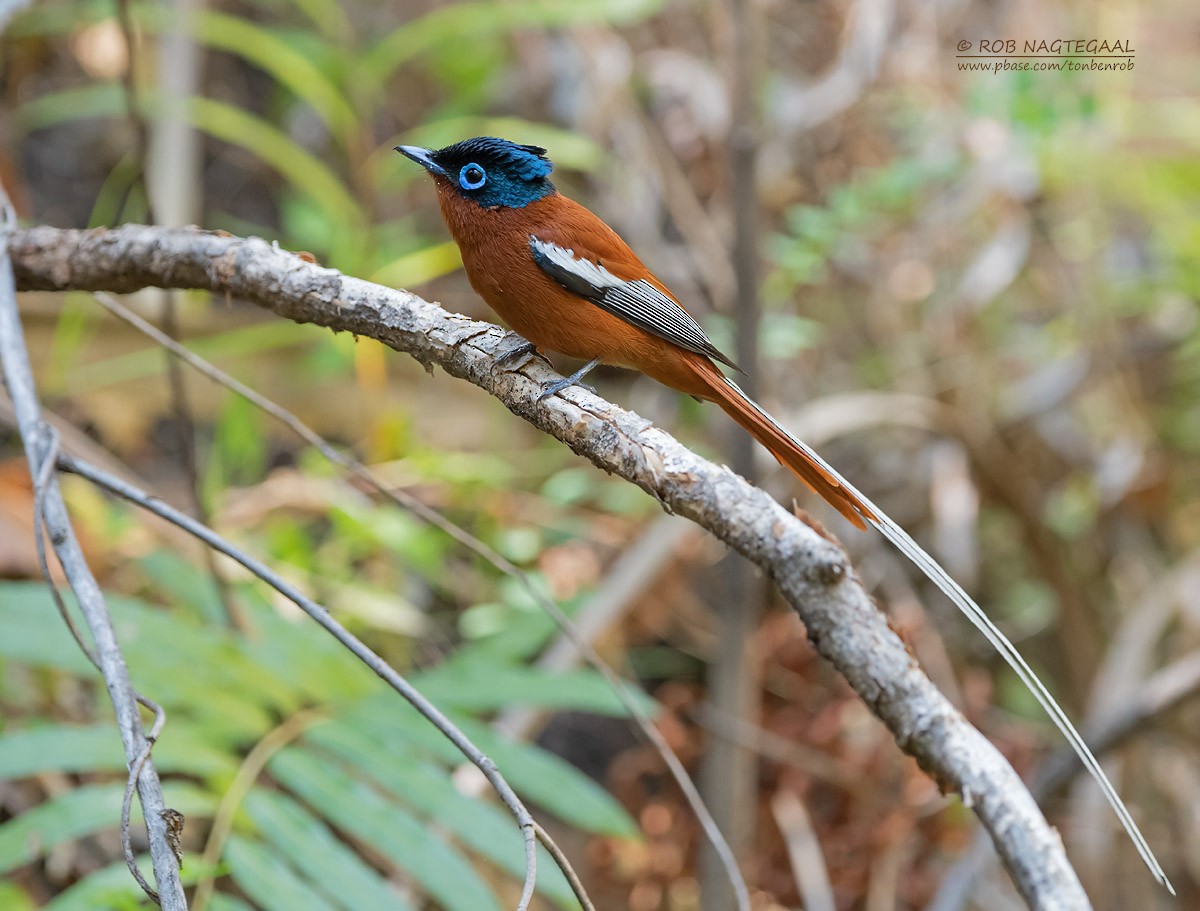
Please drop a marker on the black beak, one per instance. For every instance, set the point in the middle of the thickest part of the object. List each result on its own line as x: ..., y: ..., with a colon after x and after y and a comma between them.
x: 423, y: 157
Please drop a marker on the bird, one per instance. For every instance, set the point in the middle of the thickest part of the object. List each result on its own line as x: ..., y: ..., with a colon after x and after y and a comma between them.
x: 566, y: 282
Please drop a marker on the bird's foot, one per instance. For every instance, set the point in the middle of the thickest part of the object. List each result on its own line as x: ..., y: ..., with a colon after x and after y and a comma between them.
x: 573, y: 380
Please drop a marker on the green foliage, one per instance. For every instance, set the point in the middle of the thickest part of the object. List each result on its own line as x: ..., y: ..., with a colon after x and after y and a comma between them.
x: 329, y: 194
x: 108, y: 889
x: 316, y: 141
x: 240, y: 447
x: 77, y: 814
x: 366, y: 769
x: 855, y: 213
x: 14, y: 898
x: 449, y: 27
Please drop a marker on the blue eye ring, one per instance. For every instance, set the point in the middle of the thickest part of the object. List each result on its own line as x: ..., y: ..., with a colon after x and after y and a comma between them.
x: 477, y: 178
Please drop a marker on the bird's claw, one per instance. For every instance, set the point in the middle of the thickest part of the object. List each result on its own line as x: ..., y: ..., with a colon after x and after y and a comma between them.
x: 572, y: 380
x: 559, y: 385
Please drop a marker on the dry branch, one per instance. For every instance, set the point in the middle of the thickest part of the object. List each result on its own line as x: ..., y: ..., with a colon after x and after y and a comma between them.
x: 812, y: 572
x: 40, y: 442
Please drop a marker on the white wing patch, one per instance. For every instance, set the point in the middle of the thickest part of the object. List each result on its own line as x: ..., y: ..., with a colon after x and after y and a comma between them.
x: 637, y: 302
x: 584, y: 269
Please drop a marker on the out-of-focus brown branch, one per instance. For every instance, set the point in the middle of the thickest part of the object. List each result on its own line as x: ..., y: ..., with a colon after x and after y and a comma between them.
x: 185, y: 425
x: 811, y: 570
x: 730, y: 770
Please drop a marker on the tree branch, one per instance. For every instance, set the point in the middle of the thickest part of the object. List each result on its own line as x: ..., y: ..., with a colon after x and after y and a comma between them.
x: 812, y: 572
x: 39, y: 445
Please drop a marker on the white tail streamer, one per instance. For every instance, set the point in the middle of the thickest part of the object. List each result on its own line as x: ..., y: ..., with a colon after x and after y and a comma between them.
x: 942, y: 579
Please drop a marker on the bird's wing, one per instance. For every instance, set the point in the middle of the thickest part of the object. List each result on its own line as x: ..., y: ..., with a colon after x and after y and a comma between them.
x: 637, y: 301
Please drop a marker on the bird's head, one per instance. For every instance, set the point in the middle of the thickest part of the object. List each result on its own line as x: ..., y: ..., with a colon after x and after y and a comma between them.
x: 488, y: 171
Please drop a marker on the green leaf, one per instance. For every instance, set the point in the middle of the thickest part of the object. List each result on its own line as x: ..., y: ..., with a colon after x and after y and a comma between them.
x: 308, y: 845
x: 537, y: 775
x: 261, y: 47
x: 304, y: 656
x: 32, y: 632
x: 458, y: 24
x: 109, y: 889
x: 264, y: 49
x: 54, y: 19
x: 100, y: 99
x: 81, y: 812
x: 359, y: 810
x: 327, y: 15
x: 188, y: 585
x: 476, y: 686
x: 223, y: 121
x: 97, y: 748
x: 419, y: 267
x: 527, y: 627
x: 240, y: 443
x: 478, y: 824
x: 267, y: 878
x: 300, y: 167
x: 75, y: 327
x: 13, y: 898
x: 551, y: 782
x: 221, y: 682
x: 113, y: 888
x: 222, y: 902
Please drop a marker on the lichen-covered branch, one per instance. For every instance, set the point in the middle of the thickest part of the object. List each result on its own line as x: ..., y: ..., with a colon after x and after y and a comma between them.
x: 812, y: 572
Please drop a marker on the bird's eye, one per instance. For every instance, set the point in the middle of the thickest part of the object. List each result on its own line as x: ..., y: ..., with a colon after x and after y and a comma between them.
x: 472, y: 177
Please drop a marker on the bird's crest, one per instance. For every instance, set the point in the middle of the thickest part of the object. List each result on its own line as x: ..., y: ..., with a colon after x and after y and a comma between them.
x: 527, y: 162
x: 490, y: 172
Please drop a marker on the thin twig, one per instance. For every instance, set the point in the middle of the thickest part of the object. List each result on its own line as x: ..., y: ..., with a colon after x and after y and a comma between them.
x: 352, y: 643
x: 564, y: 864
x: 40, y: 486
x: 625, y: 582
x: 141, y: 136
x: 402, y: 498
x: 41, y: 483
x: 38, y: 443
x: 730, y: 775
x: 135, y: 770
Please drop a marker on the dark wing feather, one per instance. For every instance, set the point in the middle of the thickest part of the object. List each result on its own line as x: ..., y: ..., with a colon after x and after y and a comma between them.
x: 638, y: 302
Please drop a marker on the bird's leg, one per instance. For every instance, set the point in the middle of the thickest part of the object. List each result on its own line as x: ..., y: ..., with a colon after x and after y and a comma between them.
x: 560, y: 385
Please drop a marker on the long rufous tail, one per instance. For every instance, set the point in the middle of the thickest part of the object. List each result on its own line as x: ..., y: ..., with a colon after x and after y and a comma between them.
x: 791, y: 453
x: 818, y: 474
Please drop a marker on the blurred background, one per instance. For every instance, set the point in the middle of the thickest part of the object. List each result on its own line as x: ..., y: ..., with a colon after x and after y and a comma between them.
x: 978, y: 298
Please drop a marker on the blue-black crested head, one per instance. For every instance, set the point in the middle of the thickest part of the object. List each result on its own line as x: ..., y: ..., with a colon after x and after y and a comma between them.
x: 489, y: 171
